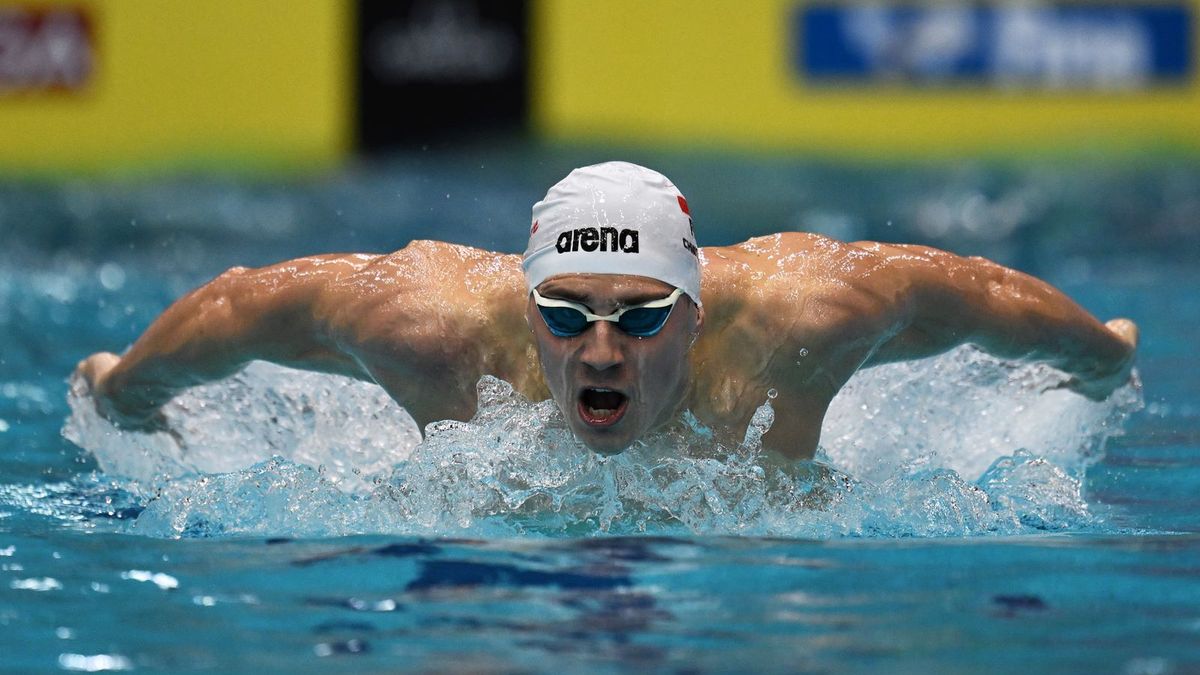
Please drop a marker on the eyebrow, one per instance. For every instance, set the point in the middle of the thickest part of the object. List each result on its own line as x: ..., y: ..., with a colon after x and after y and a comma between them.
x: 587, y: 299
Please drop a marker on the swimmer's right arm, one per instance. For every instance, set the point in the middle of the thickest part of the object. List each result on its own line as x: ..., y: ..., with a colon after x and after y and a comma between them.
x: 271, y: 313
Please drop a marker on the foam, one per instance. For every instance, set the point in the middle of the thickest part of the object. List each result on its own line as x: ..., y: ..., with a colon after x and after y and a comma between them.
x: 958, y: 445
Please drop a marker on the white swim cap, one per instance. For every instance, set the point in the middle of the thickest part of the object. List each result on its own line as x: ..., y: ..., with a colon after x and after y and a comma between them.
x: 614, y: 218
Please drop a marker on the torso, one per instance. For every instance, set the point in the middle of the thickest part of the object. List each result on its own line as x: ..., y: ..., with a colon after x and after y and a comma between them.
x: 784, y: 313
x: 781, y: 312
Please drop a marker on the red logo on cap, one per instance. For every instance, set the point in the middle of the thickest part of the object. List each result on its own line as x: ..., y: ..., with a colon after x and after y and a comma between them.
x: 683, y: 206
x: 534, y: 228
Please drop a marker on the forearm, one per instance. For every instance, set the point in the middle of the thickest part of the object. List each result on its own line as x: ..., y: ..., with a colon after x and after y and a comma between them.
x: 1019, y: 316
x: 950, y: 300
x: 194, y: 341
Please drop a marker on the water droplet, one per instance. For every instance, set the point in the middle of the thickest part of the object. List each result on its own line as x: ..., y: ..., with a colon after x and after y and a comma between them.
x: 804, y: 351
x: 112, y: 276
x: 772, y: 393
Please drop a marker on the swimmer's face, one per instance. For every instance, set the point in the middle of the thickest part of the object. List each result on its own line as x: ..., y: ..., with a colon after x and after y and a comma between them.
x: 614, y: 387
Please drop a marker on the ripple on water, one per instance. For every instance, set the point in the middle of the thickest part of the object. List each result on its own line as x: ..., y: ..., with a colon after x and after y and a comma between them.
x: 957, y: 445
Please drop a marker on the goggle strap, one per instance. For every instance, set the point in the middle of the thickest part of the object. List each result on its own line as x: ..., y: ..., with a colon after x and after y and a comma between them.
x: 586, y: 312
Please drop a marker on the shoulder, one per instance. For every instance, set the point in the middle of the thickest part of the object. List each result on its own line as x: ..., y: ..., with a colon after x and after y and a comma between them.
x: 783, y: 255
x: 424, y: 258
x: 804, y: 286
x: 789, y: 268
x: 787, y: 241
x: 435, y: 269
x: 427, y: 284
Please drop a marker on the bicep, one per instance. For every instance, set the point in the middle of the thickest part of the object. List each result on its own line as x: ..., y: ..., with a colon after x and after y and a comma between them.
x: 276, y: 311
x: 942, y: 299
x: 954, y: 300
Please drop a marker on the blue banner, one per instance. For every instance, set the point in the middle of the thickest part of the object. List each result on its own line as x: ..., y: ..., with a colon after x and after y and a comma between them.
x: 1027, y: 46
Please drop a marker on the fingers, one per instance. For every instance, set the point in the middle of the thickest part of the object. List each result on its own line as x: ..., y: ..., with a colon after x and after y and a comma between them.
x: 126, y: 412
x: 1124, y: 329
x: 96, y: 367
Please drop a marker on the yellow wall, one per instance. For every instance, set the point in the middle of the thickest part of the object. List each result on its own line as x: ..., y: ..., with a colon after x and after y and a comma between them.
x: 719, y: 72
x: 229, y: 82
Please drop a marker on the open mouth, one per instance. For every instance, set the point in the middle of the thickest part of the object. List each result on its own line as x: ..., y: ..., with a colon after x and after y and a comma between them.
x: 601, y: 407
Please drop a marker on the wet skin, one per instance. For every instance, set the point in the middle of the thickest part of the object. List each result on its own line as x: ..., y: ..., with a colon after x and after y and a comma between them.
x: 651, y: 374
x: 795, y: 312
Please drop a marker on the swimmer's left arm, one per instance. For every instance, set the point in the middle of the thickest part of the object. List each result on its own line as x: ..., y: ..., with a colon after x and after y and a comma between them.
x: 950, y: 300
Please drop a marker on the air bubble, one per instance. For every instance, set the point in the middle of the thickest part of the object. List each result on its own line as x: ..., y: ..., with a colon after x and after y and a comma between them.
x: 112, y: 276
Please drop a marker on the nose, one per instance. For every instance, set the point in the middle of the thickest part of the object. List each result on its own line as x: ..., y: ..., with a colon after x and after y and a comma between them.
x: 602, y: 347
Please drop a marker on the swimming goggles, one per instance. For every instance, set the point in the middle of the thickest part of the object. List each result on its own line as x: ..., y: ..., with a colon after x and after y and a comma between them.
x: 568, y: 319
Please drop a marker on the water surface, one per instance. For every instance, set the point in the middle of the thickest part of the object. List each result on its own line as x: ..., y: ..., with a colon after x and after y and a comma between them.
x: 962, y: 516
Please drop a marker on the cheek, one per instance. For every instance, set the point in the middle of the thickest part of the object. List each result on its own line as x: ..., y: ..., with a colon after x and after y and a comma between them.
x: 556, y: 365
x: 662, y: 368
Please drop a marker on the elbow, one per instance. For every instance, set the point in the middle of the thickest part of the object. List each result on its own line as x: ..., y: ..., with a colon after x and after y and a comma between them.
x: 224, y: 286
x: 225, y: 283
x: 234, y: 282
x: 226, y: 300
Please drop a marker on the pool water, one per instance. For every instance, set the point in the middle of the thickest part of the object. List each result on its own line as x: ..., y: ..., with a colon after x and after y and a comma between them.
x: 963, y: 515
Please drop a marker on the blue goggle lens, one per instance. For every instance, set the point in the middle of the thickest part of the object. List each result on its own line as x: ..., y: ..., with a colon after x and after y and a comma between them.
x: 563, y: 321
x: 644, y: 321
x: 640, y: 322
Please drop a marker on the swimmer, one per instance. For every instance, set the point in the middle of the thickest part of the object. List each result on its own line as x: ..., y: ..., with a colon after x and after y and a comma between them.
x: 616, y: 314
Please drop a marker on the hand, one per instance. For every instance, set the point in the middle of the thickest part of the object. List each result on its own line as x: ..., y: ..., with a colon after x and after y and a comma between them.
x: 95, y: 369
x: 1126, y: 330
x: 94, y: 372
x: 1097, y: 386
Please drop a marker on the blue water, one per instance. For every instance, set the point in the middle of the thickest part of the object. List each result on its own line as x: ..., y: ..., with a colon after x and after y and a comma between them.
x: 960, y: 519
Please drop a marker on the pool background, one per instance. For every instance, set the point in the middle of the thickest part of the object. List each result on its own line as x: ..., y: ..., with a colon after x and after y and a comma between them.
x: 87, y: 265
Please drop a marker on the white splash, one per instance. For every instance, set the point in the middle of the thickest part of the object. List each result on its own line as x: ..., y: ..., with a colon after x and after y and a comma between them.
x: 958, y: 445
x: 962, y: 411
x: 352, y: 429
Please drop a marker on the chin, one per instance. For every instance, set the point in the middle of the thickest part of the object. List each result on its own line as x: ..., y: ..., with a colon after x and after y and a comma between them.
x: 606, y: 450
x: 607, y: 442
x: 603, y: 444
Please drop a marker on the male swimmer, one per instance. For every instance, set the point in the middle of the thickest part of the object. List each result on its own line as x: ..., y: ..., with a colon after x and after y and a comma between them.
x: 615, y: 313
